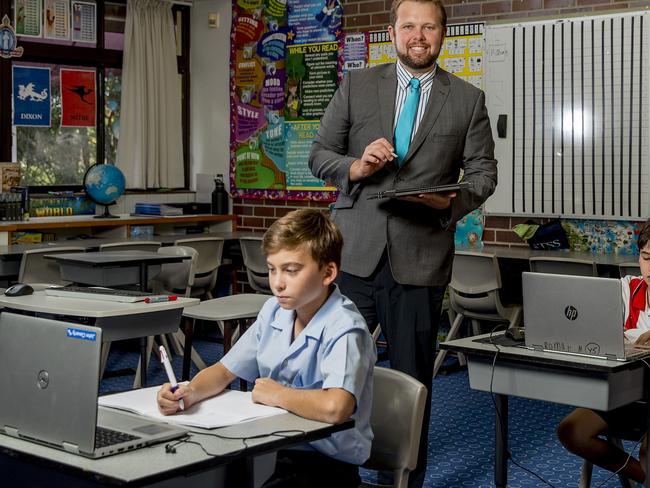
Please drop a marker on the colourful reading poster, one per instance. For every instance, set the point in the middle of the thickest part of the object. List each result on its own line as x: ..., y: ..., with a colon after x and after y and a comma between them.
x: 314, y: 20
x: 78, y: 98
x: 299, y: 136
x: 312, y: 76
x: 280, y: 74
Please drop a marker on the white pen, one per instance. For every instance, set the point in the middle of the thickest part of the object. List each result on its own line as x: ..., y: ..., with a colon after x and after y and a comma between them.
x: 170, y: 373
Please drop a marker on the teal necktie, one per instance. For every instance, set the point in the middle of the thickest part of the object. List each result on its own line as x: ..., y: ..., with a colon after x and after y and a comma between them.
x: 406, y: 120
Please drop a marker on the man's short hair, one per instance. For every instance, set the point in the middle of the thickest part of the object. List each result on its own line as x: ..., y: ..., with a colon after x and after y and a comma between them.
x: 437, y: 3
x: 644, y: 235
x: 308, y: 227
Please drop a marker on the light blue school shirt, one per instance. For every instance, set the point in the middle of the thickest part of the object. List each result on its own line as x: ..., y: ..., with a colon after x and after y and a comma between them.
x: 335, y: 350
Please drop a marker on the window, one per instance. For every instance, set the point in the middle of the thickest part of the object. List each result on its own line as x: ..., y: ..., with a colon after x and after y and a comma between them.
x: 59, y: 156
x: 112, y: 95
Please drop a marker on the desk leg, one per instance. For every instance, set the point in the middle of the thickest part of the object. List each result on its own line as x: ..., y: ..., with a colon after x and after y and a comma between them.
x: 240, y: 473
x: 501, y: 441
x: 143, y: 362
x: 647, y: 458
x: 188, y: 329
x: 143, y: 277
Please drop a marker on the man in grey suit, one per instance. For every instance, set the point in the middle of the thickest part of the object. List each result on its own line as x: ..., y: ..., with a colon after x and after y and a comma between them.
x: 408, y: 124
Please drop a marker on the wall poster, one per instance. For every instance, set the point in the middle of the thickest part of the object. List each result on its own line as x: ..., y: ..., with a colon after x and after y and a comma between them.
x: 284, y: 71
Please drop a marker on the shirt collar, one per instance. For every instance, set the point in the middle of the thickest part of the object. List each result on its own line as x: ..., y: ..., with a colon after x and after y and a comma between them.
x: 284, y: 318
x: 404, y: 77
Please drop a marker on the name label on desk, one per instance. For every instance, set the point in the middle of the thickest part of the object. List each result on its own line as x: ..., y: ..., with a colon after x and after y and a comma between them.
x: 84, y: 335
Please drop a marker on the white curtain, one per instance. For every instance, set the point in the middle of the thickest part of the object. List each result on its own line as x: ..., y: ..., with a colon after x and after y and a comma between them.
x: 150, y: 148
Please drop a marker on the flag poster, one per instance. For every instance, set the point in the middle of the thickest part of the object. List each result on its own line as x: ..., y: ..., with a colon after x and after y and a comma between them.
x: 78, y: 98
x: 31, y: 96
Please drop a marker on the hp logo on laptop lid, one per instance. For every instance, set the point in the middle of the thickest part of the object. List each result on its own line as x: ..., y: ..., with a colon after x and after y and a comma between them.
x: 570, y: 312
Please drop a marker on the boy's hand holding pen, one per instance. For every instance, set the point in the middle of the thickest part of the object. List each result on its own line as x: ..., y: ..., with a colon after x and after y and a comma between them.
x: 172, y: 394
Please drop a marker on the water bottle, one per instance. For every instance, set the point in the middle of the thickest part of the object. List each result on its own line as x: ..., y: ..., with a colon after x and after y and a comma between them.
x: 219, y: 197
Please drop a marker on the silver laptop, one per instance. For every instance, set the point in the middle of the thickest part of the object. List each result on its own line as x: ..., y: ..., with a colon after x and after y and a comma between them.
x: 580, y: 315
x: 51, y: 369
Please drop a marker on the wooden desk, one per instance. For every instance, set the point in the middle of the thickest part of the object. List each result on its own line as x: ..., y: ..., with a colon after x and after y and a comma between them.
x: 116, y: 228
x: 571, y: 380
x: 118, y: 320
x: 23, y: 463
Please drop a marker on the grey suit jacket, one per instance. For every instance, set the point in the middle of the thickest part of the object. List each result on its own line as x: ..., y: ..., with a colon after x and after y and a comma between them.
x: 454, y: 133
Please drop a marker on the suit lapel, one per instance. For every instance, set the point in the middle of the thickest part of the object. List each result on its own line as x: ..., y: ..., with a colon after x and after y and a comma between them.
x: 387, y: 91
x: 437, y: 99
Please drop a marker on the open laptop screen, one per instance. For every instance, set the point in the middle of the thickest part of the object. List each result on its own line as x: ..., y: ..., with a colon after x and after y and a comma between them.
x: 573, y: 314
x: 51, y: 369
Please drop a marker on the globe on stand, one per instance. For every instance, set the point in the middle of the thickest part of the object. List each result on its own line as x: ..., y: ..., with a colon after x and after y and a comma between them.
x: 104, y: 184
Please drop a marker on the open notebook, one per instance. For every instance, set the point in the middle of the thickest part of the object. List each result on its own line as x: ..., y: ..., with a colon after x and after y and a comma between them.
x: 228, y: 408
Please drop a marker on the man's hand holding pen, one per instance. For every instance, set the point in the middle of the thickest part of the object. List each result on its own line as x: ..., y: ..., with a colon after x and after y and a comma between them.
x: 374, y: 158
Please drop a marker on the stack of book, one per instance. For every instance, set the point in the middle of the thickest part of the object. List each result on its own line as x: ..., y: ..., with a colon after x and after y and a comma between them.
x: 156, y: 209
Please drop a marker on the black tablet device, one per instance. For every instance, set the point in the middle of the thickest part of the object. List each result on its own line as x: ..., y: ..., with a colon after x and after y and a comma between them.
x: 403, y: 192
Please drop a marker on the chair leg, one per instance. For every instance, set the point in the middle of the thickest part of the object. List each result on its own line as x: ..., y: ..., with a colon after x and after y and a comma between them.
x: 476, y: 327
x: 587, y: 469
x: 625, y: 482
x: 164, y: 343
x: 175, y: 344
x: 453, y: 331
x: 196, y: 359
x: 136, y: 381
x: 585, y: 474
x: 400, y: 478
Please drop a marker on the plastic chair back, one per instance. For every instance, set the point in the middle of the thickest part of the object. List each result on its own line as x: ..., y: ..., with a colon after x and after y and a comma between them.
x: 257, y: 270
x: 34, y: 268
x: 210, y: 251
x: 632, y: 268
x: 176, y: 278
x: 562, y: 265
x: 131, y: 246
x: 475, y: 281
x: 396, y: 420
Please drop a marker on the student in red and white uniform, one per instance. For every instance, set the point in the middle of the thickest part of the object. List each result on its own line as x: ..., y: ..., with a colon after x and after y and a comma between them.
x: 580, y: 431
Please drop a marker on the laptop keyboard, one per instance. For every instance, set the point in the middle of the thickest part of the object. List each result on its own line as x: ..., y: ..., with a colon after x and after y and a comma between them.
x: 632, y: 352
x: 107, y: 437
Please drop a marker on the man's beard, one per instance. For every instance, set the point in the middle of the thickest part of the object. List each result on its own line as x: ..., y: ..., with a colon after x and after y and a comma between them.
x: 417, y: 64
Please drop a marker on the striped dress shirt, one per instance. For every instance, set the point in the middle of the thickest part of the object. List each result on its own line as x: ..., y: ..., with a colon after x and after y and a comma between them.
x: 403, y: 79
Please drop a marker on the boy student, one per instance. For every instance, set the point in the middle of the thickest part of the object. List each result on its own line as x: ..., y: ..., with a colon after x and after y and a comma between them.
x: 580, y: 431
x: 309, y: 352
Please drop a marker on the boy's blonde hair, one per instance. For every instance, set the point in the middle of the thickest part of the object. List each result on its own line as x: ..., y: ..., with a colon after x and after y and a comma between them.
x: 307, y: 227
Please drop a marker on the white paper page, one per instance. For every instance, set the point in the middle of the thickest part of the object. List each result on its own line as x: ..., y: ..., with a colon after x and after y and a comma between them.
x: 228, y: 408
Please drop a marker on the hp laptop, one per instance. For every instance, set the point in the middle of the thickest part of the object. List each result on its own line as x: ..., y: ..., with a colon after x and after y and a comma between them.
x: 580, y: 315
x: 50, y: 373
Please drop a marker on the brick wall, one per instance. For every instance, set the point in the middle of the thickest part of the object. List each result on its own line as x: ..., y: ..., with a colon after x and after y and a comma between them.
x: 363, y: 15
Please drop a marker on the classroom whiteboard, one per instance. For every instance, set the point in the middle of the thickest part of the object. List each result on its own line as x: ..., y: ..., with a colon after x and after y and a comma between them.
x: 575, y: 96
